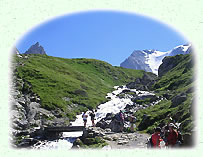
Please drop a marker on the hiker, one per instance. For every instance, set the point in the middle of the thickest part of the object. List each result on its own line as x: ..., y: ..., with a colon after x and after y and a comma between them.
x: 156, y: 138
x: 132, y: 120
x: 121, y: 115
x: 166, y: 128
x: 84, y: 117
x: 92, y: 115
x: 172, y: 137
x: 165, y: 133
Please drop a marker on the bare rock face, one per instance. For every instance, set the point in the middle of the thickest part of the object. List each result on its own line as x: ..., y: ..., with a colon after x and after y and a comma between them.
x: 143, y: 83
x: 168, y: 64
x: 36, y: 49
x: 136, y: 61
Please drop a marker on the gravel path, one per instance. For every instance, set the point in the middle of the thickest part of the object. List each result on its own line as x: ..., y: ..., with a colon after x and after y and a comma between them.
x: 126, y: 140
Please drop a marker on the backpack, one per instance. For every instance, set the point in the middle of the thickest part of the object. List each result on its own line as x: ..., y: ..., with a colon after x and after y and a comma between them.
x: 117, y: 116
x: 121, y: 116
x: 92, y: 115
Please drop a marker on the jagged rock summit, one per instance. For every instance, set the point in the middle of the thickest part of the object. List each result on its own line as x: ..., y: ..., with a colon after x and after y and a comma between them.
x: 150, y: 60
x: 36, y: 49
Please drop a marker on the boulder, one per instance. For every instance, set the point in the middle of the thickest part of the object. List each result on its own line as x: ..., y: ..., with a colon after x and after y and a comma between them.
x: 122, y: 142
x: 177, y: 100
x: 102, y: 124
x: 109, y: 116
x: 145, y: 122
x: 143, y: 83
x: 115, y: 126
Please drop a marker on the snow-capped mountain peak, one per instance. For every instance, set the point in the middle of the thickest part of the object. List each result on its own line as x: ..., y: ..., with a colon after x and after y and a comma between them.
x: 150, y: 60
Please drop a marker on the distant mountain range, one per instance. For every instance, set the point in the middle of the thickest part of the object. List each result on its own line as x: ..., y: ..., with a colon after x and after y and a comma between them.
x: 150, y: 60
x: 147, y: 60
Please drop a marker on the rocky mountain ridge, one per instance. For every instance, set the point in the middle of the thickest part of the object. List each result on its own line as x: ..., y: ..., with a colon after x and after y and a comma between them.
x: 150, y: 60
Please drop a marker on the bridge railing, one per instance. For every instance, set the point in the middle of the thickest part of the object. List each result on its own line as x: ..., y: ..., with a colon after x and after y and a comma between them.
x: 64, y: 128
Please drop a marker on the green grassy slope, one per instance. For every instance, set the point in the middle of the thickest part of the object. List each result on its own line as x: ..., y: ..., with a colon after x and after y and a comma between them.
x: 179, y: 80
x: 61, y: 83
x: 180, y: 77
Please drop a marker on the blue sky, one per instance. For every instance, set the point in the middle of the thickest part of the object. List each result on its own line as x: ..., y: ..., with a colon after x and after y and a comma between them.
x: 110, y: 36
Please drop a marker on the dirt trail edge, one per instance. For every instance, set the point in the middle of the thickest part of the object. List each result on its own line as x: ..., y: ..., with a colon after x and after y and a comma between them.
x: 126, y: 140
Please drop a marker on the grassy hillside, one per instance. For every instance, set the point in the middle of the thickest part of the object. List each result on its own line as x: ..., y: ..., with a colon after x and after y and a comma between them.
x: 177, y: 81
x: 73, y: 85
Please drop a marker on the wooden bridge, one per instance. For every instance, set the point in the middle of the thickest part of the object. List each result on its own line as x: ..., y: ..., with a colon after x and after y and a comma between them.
x: 64, y: 128
x: 52, y: 132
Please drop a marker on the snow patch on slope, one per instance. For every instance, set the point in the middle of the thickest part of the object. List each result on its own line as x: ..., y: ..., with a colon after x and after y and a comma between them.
x: 154, y: 58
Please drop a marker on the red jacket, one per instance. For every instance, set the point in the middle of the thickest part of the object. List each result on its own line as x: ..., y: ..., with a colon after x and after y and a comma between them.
x: 172, y: 138
x: 156, y: 140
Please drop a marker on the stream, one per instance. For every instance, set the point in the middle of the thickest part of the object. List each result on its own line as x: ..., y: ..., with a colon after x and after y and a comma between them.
x: 114, y: 105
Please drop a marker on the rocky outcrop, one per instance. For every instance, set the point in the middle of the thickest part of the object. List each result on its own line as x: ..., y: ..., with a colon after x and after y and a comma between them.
x: 92, y: 138
x: 143, y: 83
x: 28, y: 117
x: 145, y: 99
x: 168, y: 63
x: 110, y: 122
x: 36, y: 49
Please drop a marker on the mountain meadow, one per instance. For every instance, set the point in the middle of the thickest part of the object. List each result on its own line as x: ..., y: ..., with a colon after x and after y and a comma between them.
x: 70, y: 85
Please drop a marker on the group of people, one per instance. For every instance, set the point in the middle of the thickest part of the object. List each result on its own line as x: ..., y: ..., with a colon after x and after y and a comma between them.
x: 169, y: 135
x: 92, y: 117
x: 120, y: 118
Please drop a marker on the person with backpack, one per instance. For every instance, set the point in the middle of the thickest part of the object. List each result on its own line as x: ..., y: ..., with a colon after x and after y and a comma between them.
x: 132, y: 120
x: 84, y: 117
x: 119, y: 118
x: 172, y: 137
x: 92, y: 115
x: 121, y: 115
x: 156, y: 138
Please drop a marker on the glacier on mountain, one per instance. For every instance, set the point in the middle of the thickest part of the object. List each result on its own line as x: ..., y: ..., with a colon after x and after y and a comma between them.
x: 150, y: 60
